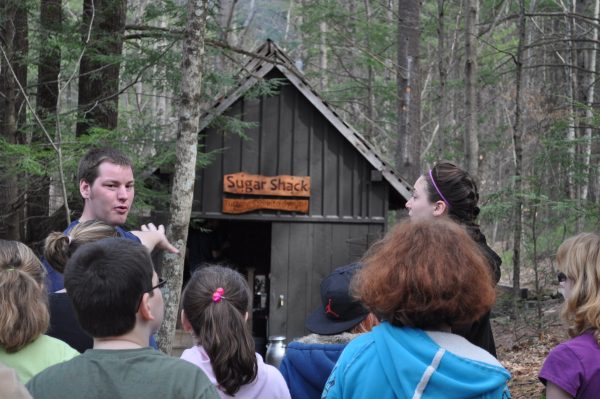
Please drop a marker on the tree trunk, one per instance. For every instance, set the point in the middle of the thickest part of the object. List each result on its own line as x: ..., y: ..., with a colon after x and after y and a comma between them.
x: 471, y: 75
x: 518, y: 152
x: 182, y: 192
x: 571, y: 82
x: 442, y: 76
x: 38, y: 197
x: 226, y: 12
x: 13, y: 68
x: 99, y: 68
x: 589, y: 112
x: 370, y: 111
x: 323, y: 56
x: 409, y: 93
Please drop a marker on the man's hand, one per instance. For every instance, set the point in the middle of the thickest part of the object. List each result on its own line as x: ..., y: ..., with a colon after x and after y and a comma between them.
x: 154, y: 237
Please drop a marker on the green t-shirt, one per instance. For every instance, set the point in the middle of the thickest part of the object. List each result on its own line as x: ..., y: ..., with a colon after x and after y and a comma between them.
x: 36, y: 356
x: 130, y: 373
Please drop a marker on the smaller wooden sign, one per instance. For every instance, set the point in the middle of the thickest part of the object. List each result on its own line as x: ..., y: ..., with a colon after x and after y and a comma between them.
x: 231, y: 205
x: 281, y: 186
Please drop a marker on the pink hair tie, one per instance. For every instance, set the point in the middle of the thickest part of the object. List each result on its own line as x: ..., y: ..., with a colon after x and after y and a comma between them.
x: 218, y: 294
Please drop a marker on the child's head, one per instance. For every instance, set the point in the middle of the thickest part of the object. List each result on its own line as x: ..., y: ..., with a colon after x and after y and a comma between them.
x: 426, y: 273
x: 108, y: 281
x: 215, y: 306
x: 579, y: 259
x: 23, y: 300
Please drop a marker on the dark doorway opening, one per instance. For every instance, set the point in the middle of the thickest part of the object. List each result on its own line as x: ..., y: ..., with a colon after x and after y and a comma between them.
x: 244, y: 246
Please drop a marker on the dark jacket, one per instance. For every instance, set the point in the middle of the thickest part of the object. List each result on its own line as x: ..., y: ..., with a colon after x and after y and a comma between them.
x: 480, y: 332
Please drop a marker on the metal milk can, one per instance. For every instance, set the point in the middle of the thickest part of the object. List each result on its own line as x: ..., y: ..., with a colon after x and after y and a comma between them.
x: 275, y: 350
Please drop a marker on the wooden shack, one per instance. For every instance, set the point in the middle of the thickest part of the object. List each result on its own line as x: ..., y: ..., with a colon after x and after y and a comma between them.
x: 301, y: 194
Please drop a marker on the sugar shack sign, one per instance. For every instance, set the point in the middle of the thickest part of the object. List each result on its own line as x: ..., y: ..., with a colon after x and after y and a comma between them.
x: 277, y: 186
x: 281, y: 186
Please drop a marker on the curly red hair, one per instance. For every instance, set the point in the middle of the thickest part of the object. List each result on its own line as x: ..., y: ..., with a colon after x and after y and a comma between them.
x: 426, y: 274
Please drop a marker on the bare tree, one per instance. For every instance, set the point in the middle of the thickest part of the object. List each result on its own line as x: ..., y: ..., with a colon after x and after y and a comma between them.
x: 471, y: 89
x: 518, y: 156
x: 409, y: 93
x: 323, y: 56
x: 182, y: 193
x: 587, y: 151
x: 442, y: 75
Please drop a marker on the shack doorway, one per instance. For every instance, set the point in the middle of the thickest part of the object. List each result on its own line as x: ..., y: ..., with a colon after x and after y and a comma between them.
x: 244, y: 246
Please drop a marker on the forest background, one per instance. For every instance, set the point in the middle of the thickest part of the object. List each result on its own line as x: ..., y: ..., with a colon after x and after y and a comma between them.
x: 505, y: 88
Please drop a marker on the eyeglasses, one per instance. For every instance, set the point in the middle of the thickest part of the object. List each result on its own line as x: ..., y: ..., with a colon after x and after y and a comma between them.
x: 561, y: 277
x: 161, y: 283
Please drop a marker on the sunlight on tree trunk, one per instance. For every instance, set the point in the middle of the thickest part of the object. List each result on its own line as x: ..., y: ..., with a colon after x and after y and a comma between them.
x: 589, y: 111
x: 182, y: 193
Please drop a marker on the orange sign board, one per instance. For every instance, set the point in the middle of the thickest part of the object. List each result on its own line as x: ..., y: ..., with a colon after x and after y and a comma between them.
x: 281, y: 186
x: 231, y: 205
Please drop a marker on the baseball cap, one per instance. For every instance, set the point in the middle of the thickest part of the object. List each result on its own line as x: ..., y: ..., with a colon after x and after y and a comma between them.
x: 339, y: 311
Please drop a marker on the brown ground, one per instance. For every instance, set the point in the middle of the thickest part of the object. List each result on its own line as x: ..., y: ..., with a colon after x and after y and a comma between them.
x: 522, y: 345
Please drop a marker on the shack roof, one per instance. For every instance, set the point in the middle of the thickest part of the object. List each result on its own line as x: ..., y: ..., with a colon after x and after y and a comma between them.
x: 269, y: 56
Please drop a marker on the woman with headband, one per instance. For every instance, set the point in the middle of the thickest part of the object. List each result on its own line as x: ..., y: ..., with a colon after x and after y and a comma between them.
x: 447, y: 190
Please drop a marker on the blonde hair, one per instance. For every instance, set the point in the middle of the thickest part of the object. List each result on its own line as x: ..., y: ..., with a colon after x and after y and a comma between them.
x: 59, y: 246
x: 579, y: 258
x: 23, y: 299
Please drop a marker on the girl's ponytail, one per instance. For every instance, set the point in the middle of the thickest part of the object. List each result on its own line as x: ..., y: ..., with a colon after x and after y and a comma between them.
x: 215, y: 302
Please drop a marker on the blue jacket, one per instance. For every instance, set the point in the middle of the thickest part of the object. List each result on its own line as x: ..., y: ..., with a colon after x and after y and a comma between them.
x: 393, y: 362
x: 308, y: 363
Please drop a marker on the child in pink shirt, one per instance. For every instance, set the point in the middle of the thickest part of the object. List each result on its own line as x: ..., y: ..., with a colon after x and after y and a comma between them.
x: 215, y: 308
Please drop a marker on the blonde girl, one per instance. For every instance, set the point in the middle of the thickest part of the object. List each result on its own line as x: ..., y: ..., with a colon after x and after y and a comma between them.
x: 572, y: 369
x: 24, y: 317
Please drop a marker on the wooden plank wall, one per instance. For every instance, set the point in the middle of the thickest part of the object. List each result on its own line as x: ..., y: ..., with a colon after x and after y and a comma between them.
x: 302, y: 254
x: 291, y: 137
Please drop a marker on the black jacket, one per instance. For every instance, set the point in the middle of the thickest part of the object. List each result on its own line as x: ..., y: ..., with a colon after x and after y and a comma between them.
x: 480, y: 332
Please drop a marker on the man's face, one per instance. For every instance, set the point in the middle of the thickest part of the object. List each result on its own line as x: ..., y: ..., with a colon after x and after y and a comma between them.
x: 110, y: 197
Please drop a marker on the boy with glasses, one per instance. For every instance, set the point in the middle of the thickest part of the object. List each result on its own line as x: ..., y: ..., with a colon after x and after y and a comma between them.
x: 116, y: 295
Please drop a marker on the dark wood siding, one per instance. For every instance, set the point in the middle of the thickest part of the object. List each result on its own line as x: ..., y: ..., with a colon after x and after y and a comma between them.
x: 291, y: 137
x: 302, y: 254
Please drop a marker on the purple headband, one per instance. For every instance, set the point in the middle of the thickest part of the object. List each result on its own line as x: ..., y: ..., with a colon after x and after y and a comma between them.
x: 437, y: 189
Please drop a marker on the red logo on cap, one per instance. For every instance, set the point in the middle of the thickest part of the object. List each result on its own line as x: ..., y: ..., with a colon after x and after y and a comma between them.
x: 328, y: 309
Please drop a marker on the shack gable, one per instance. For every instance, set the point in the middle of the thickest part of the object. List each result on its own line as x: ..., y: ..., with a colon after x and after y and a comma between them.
x: 295, y: 133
